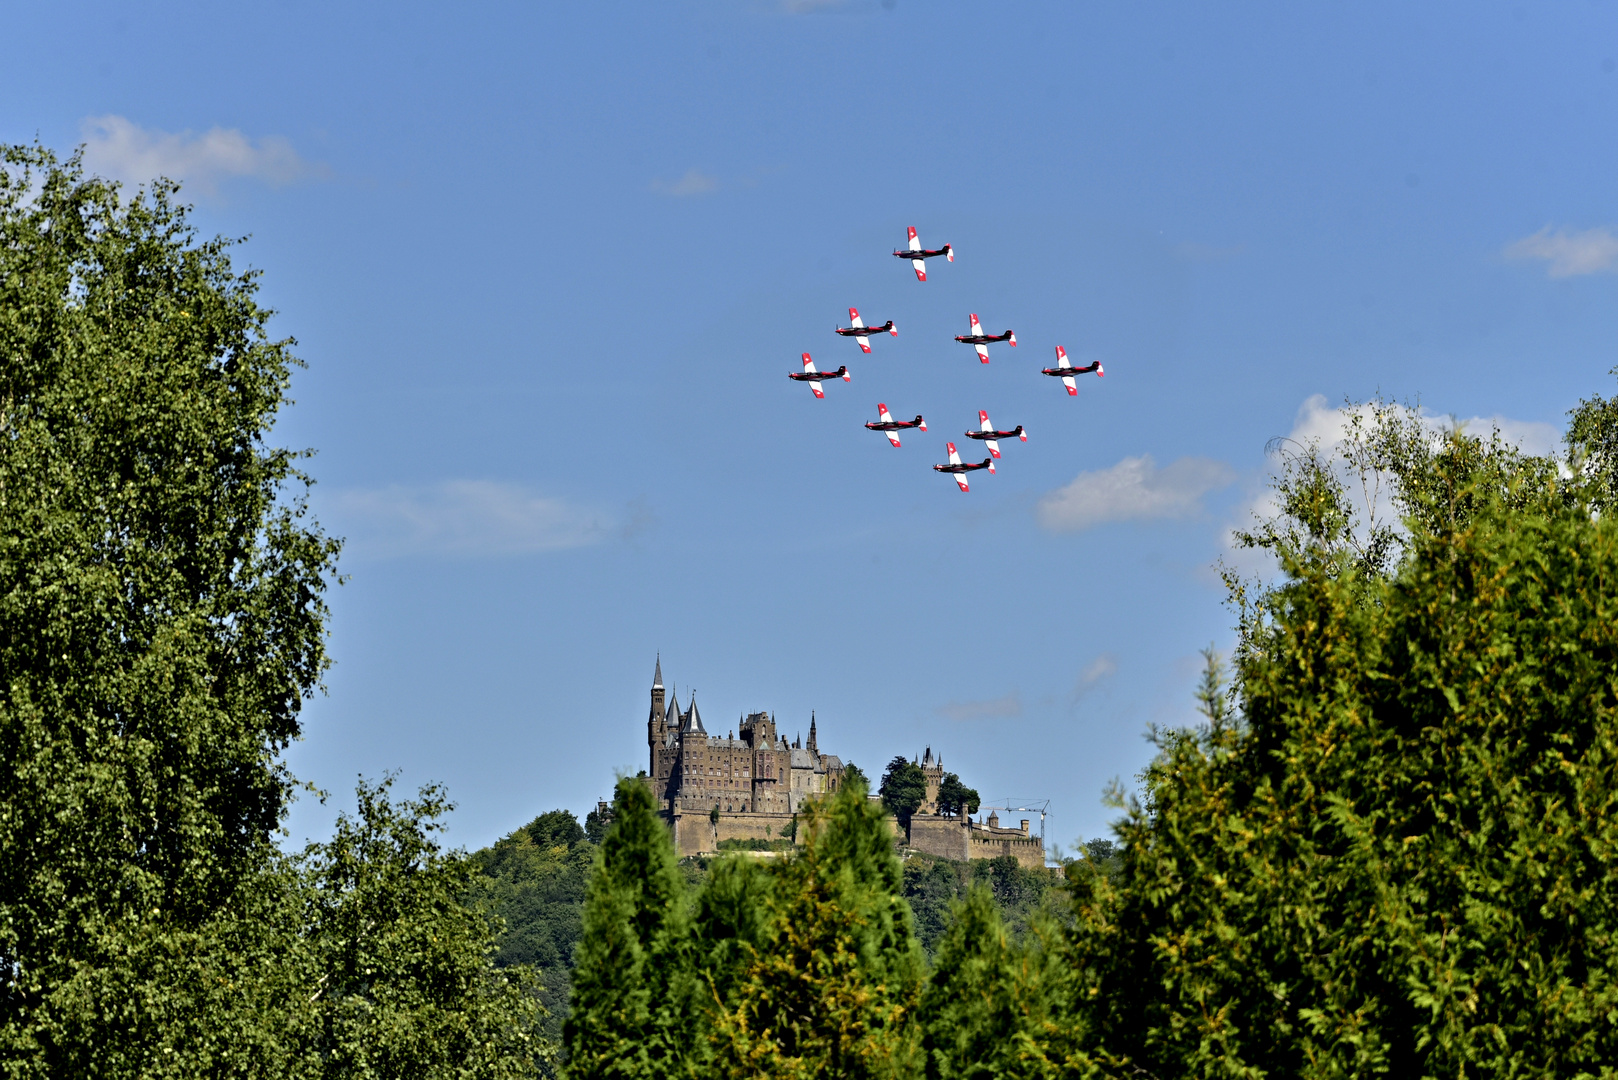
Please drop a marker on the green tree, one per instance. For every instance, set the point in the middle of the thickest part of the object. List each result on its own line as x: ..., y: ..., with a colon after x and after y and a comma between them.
x: 595, y: 826
x: 1388, y: 852
x: 832, y: 989
x: 853, y: 775
x: 404, y: 984
x: 987, y: 999
x: 903, y: 789
x: 161, y: 621
x: 633, y: 988
x: 955, y: 799
x: 1592, y: 437
x: 534, y: 879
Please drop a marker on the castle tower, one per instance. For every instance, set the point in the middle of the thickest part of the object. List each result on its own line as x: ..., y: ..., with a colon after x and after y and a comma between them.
x: 932, y: 770
x: 657, y: 721
x: 812, y: 748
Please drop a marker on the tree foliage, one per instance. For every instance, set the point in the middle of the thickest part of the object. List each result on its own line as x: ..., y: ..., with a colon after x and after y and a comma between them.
x: 903, y: 788
x: 403, y: 984
x: 162, y: 618
x: 632, y: 985
x: 955, y: 799
x: 161, y: 612
x: 988, y: 997
x: 534, y: 881
x: 1390, y: 850
x: 830, y: 990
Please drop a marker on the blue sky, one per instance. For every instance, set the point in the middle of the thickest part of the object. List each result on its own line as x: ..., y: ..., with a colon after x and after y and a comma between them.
x: 549, y: 265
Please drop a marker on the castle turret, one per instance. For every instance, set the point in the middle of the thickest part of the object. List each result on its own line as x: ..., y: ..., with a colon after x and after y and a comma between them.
x: 657, y: 722
x: 812, y: 749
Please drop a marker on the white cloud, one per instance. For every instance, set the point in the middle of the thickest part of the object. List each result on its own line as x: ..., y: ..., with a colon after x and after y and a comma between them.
x: 993, y: 709
x: 1321, y: 424
x: 1097, y: 671
x: 1133, y: 489
x: 1317, y: 420
x: 1570, y: 254
x: 120, y: 149
x: 694, y: 182
x: 464, y: 518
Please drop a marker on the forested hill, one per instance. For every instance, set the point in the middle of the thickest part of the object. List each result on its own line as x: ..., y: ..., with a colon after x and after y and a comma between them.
x: 535, y: 881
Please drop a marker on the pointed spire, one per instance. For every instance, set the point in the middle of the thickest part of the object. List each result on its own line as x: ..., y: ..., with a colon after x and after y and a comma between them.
x: 657, y: 676
x: 812, y: 731
x: 693, y: 719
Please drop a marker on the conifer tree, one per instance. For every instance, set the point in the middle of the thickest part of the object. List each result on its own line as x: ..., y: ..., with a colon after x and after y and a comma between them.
x: 832, y: 992
x: 633, y: 990
x: 985, y: 999
x: 1390, y: 852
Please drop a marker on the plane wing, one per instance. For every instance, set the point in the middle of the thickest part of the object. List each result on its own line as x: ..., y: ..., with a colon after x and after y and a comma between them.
x: 982, y: 349
x: 915, y: 243
x: 1067, y: 380
x: 814, y: 384
x: 955, y: 459
x: 992, y: 444
x: 886, y: 417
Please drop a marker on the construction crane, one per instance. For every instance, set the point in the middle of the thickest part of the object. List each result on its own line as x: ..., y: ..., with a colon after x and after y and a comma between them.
x: 1024, y: 806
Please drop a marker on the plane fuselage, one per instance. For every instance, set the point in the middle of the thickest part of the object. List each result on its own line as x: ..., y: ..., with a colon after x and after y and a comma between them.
x: 1017, y: 433
x: 982, y: 339
x: 862, y: 331
x: 816, y: 376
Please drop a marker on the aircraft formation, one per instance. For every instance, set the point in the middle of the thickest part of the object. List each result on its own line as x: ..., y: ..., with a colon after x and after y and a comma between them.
x: 986, y: 432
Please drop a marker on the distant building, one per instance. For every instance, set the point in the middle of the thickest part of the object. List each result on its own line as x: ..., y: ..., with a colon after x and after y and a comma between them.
x: 754, y: 778
x: 961, y: 837
x: 750, y: 783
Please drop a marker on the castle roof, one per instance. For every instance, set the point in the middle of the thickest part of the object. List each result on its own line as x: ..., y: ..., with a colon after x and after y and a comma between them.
x: 691, y: 721
x: 657, y: 676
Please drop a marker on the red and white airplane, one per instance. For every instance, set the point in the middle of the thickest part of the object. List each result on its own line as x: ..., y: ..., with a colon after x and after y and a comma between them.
x: 1067, y: 371
x: 981, y: 341
x: 957, y: 468
x: 991, y: 437
x: 891, y: 427
x: 860, y: 332
x: 918, y: 255
x: 813, y: 377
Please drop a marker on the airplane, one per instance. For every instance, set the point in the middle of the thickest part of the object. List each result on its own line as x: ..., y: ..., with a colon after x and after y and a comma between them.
x: 859, y: 331
x: 1067, y: 371
x: 980, y: 341
x: 813, y: 377
x: 891, y: 427
x: 990, y: 436
x: 918, y: 254
x: 957, y: 468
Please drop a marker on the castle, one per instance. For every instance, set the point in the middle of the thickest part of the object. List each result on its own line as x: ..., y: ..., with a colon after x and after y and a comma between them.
x: 750, y: 784
x: 745, y: 785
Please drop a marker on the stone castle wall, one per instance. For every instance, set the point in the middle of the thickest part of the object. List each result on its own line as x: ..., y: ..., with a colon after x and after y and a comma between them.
x: 699, y: 834
x: 952, y: 838
x: 1029, y: 851
x: 941, y: 836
